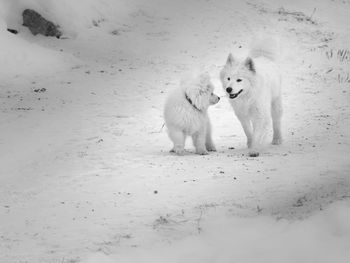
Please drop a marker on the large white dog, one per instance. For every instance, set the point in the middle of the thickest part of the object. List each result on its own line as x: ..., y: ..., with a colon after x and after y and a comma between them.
x: 254, y: 89
x: 186, y: 114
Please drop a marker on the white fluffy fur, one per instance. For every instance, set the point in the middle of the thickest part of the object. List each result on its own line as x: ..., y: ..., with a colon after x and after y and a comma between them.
x: 185, y: 119
x: 260, y: 99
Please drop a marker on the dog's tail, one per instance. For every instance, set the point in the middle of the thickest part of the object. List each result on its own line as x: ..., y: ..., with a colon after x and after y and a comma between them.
x: 265, y: 47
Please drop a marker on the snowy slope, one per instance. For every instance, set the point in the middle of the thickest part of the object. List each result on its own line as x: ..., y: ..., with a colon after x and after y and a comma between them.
x: 85, y: 172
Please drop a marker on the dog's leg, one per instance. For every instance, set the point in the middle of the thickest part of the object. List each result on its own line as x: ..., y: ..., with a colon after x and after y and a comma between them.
x: 276, y: 113
x: 247, y: 127
x: 260, y: 127
x: 199, y: 142
x: 209, y: 145
x: 178, y: 138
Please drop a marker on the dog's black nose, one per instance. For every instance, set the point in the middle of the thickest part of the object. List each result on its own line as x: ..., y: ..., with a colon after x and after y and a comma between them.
x: 228, y: 90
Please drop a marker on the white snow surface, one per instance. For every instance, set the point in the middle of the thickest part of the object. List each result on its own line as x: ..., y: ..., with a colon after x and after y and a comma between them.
x: 85, y: 169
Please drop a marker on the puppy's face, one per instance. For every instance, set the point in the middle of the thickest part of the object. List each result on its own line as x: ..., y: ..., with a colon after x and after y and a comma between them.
x: 236, y: 78
x: 202, y: 93
x: 213, y: 98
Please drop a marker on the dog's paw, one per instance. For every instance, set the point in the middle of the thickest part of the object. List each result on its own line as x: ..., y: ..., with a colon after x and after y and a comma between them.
x: 253, y: 154
x: 202, y: 152
x: 276, y: 141
x: 210, y: 148
x: 178, y: 151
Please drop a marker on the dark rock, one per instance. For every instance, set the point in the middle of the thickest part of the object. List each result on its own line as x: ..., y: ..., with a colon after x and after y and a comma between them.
x: 253, y: 154
x: 39, y: 25
x: 40, y: 90
x: 13, y: 31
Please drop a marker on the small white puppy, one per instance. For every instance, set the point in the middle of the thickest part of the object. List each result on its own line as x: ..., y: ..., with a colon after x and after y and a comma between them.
x: 186, y: 114
x: 254, y: 89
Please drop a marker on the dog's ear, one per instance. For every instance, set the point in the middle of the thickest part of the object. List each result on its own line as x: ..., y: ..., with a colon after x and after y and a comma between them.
x: 230, y: 59
x: 250, y: 64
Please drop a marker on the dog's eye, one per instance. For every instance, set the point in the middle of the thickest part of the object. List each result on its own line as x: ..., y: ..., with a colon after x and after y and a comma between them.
x: 239, y: 80
x: 228, y: 78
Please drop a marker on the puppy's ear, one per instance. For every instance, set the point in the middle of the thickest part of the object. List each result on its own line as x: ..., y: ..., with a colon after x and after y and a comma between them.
x: 250, y: 64
x: 230, y: 59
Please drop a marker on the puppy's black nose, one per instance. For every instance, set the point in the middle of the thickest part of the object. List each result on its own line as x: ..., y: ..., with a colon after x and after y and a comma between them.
x: 228, y: 90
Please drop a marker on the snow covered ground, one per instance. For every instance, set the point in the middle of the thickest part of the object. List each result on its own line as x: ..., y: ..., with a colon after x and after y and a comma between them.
x: 85, y: 172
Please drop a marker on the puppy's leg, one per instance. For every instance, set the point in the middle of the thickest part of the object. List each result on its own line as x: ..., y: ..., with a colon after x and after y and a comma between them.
x: 199, y: 142
x: 276, y: 113
x: 209, y: 145
x: 178, y: 138
x: 247, y: 127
